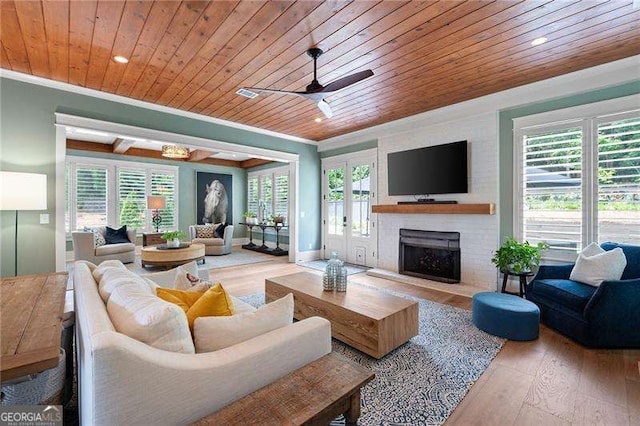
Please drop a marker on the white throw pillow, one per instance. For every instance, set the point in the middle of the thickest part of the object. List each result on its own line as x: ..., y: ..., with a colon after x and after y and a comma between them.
x: 181, y: 282
x: 600, y: 267
x: 113, y: 278
x: 149, y: 319
x: 592, y: 249
x: 104, y: 266
x: 215, y: 333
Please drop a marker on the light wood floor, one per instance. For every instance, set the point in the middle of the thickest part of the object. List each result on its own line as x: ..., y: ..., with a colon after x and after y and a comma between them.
x: 549, y: 381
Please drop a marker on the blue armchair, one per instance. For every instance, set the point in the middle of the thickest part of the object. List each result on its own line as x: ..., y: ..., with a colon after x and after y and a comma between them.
x: 607, y: 316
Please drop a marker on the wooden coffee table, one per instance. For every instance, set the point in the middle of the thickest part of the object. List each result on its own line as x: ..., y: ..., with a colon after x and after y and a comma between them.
x: 152, y: 256
x: 369, y: 320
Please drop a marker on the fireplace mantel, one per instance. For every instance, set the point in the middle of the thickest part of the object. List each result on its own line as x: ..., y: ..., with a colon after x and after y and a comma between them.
x: 487, y: 208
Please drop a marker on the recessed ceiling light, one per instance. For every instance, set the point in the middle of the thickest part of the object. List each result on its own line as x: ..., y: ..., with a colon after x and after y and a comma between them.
x: 539, y: 41
x: 120, y: 59
x: 318, y: 120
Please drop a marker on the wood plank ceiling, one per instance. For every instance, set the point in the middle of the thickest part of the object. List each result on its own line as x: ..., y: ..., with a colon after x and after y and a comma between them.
x: 194, y: 55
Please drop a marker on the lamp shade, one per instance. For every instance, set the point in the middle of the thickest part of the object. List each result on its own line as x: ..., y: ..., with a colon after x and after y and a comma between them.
x: 23, y: 191
x: 156, y: 202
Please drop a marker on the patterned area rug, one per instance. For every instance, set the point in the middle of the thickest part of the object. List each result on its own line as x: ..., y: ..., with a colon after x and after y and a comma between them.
x: 424, y: 380
x: 321, y: 265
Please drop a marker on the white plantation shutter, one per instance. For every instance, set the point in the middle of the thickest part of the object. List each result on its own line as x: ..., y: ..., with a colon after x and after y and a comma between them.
x: 67, y: 194
x: 252, y: 195
x: 132, y: 198
x: 619, y: 181
x: 91, y: 196
x: 281, y: 193
x: 266, y: 195
x: 165, y: 184
x: 552, y: 188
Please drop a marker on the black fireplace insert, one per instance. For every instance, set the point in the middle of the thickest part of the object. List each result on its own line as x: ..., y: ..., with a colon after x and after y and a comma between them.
x: 432, y: 255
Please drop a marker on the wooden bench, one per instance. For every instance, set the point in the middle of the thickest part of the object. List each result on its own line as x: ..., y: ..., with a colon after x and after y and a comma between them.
x: 312, y: 395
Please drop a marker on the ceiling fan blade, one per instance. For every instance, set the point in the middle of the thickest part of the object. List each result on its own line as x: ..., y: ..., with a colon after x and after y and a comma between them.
x: 278, y: 92
x: 343, y: 82
x: 325, y: 108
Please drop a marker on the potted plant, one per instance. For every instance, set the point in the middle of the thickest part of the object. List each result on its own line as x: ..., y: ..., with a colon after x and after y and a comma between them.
x: 173, y: 238
x: 518, y: 258
x: 250, y: 218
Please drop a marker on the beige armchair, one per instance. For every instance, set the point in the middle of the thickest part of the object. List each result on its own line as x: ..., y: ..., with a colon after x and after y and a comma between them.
x: 214, y: 246
x: 84, y: 249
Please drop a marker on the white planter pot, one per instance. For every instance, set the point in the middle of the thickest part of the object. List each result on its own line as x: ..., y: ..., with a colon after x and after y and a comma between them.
x: 251, y: 220
x: 173, y: 243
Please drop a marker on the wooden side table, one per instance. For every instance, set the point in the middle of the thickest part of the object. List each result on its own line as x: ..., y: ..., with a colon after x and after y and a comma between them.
x: 152, y: 239
x: 32, y: 308
x: 523, y: 282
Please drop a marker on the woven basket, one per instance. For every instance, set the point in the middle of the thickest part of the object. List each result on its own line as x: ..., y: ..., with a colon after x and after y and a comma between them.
x: 44, y: 389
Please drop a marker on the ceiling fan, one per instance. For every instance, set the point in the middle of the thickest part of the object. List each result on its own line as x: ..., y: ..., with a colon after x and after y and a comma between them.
x: 316, y: 91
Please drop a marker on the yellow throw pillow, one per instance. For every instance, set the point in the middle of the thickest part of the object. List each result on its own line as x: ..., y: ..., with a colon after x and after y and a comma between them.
x: 184, y: 299
x: 213, y: 302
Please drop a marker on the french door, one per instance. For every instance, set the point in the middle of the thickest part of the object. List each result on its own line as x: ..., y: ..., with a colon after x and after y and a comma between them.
x: 348, y: 192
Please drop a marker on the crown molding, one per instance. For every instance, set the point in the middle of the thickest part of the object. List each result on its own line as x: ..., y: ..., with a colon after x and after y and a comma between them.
x: 598, y: 77
x: 28, y: 78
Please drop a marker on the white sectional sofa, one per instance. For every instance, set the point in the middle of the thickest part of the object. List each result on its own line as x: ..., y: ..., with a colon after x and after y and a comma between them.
x: 126, y: 382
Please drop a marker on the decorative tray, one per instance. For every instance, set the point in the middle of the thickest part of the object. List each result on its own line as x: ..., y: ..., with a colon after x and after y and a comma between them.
x: 164, y: 246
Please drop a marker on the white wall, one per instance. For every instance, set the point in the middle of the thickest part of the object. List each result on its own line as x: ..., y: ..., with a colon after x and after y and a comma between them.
x: 479, y: 234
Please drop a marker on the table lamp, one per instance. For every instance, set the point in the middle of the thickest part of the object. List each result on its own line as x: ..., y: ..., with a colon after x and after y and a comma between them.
x: 22, y: 191
x: 156, y: 202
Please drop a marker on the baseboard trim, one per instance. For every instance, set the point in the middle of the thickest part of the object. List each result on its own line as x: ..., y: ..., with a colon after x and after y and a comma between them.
x: 307, y: 256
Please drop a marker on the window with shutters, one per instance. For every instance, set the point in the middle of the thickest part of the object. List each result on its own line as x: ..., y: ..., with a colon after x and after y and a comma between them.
x: 579, y: 182
x: 268, y: 193
x: 107, y: 192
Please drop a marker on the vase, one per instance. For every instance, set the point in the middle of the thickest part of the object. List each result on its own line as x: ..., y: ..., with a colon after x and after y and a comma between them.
x: 251, y: 220
x: 173, y: 243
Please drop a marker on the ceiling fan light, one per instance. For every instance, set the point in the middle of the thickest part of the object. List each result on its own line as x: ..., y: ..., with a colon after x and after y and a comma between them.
x: 175, y: 151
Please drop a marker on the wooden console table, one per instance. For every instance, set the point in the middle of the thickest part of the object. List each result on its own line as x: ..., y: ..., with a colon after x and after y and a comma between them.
x: 32, y: 308
x: 312, y: 395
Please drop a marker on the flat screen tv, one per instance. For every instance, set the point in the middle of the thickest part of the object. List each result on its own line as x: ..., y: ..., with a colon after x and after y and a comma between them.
x: 439, y: 169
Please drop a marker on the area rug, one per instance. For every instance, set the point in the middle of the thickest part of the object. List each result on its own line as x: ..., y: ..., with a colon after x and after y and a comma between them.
x: 236, y: 257
x: 424, y: 380
x: 321, y: 265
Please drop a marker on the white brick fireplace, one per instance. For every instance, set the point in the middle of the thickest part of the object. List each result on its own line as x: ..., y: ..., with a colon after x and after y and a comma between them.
x: 479, y: 234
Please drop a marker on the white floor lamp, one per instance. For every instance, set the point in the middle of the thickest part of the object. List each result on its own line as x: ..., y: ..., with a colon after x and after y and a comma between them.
x: 22, y: 191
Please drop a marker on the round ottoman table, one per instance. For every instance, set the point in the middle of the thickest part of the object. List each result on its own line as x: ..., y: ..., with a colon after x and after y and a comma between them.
x: 506, y: 316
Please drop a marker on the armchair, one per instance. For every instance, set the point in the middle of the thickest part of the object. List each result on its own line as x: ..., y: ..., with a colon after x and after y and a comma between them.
x: 84, y: 249
x: 607, y: 316
x: 214, y: 246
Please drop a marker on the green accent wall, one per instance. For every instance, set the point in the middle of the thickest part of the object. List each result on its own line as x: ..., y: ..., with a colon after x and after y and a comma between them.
x: 506, y: 145
x: 362, y: 146
x: 27, y: 144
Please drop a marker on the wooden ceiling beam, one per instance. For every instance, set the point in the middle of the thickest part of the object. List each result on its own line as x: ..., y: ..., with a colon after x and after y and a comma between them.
x: 253, y: 162
x: 120, y: 146
x: 146, y: 153
x: 200, y: 154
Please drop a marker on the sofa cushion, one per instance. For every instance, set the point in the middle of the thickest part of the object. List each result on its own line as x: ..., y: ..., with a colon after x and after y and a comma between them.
x: 205, y: 231
x: 632, y: 253
x: 113, y: 278
x: 149, y: 319
x: 213, y: 302
x: 214, y: 333
x: 572, y: 294
x: 99, y: 270
x: 114, y: 249
x: 209, y: 241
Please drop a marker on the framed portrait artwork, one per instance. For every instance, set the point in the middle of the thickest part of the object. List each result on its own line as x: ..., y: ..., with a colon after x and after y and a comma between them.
x: 214, y: 197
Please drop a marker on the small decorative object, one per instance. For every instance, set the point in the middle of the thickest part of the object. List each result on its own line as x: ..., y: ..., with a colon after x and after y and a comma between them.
x: 518, y: 258
x: 173, y: 238
x: 341, y: 282
x: 156, y: 202
x: 334, y: 274
x: 175, y: 151
x: 250, y: 218
x: 278, y: 219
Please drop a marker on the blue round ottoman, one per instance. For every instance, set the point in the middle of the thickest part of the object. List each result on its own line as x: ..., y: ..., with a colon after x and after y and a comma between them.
x: 506, y: 316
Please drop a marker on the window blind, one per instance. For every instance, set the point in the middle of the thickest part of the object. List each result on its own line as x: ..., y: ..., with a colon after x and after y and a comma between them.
x: 252, y: 195
x: 91, y: 196
x: 282, y: 196
x: 132, y: 198
x: 165, y: 184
